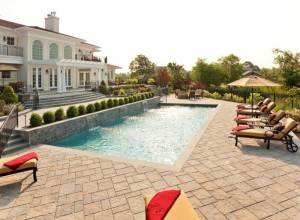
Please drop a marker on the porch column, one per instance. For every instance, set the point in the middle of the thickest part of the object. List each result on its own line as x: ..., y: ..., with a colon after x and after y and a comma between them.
x: 58, y: 79
x: 63, y: 83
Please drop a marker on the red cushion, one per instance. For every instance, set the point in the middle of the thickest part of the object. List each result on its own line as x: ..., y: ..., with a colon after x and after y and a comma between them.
x: 240, y: 117
x: 242, y: 127
x: 15, y: 163
x: 260, y: 103
x: 271, y: 117
x: 264, y: 108
x: 160, y: 204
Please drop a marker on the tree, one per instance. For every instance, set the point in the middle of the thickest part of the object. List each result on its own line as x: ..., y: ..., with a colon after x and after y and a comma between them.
x: 141, y: 67
x: 247, y: 65
x: 209, y: 74
x: 176, y: 72
x: 273, y: 74
x: 231, y: 67
x: 289, y: 64
x: 162, y: 78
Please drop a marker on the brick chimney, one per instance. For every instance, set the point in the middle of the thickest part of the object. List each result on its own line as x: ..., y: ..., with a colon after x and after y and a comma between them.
x: 52, y: 22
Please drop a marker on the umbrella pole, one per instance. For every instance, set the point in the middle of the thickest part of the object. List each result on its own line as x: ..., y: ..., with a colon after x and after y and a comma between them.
x: 252, y: 101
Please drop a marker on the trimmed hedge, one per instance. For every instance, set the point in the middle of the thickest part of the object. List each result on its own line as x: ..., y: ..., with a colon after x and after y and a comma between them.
x: 35, y: 120
x: 90, y: 108
x: 130, y: 99
x: 116, y: 102
x: 97, y: 106
x: 121, y: 101
x: 81, y: 109
x: 48, y: 117
x: 72, y: 111
x: 59, y: 114
x: 103, y: 104
x: 126, y: 100
x: 110, y: 103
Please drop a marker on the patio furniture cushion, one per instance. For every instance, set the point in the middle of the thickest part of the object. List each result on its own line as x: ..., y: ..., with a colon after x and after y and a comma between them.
x: 181, y: 209
x: 271, y: 117
x: 161, y: 203
x: 16, y: 162
x: 242, y: 127
x: 278, y: 127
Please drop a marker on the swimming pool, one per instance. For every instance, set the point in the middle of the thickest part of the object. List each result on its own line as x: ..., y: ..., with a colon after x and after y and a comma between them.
x: 158, y: 135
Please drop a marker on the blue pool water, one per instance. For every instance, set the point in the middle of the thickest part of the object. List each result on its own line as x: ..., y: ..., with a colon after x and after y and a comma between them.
x: 158, y: 135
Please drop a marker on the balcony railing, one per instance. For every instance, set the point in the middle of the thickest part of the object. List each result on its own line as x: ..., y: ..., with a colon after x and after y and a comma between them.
x: 11, y: 50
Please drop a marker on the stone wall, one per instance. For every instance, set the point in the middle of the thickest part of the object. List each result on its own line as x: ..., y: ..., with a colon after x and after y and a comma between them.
x: 48, y: 133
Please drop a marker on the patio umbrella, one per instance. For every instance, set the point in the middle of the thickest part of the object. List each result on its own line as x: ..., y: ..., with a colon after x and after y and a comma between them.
x: 7, y: 67
x: 253, y: 81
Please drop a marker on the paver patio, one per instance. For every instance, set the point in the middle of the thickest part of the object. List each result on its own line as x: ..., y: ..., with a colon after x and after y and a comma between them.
x: 222, y: 181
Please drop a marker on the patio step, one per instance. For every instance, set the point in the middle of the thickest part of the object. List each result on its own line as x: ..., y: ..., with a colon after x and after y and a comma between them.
x: 16, y: 142
x: 61, y: 99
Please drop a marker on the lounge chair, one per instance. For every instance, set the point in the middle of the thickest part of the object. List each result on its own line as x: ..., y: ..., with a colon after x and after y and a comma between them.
x: 198, y: 93
x: 257, y: 106
x: 269, y: 121
x: 30, y: 164
x: 177, y: 91
x: 264, y: 110
x: 179, y: 210
x: 280, y: 133
x: 192, y: 94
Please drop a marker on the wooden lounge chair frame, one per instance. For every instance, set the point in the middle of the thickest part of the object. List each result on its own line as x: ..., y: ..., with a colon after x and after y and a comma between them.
x: 287, y: 139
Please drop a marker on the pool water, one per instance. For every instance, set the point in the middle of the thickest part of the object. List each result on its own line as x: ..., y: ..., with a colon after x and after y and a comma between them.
x: 158, y: 135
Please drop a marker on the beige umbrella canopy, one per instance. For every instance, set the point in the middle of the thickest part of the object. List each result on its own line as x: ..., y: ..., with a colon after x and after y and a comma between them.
x: 251, y: 81
x: 7, y: 67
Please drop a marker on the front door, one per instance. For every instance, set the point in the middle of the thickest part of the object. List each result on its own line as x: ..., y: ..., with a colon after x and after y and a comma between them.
x: 37, y: 78
x: 84, y: 78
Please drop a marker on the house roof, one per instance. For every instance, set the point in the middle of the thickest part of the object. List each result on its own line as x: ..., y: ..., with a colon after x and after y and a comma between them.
x: 12, y: 25
x: 110, y: 66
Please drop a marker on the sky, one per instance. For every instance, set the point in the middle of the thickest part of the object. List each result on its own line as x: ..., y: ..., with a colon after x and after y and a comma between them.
x: 171, y: 31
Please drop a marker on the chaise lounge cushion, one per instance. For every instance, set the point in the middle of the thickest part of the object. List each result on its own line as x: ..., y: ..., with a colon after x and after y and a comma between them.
x: 181, y: 209
x: 28, y: 164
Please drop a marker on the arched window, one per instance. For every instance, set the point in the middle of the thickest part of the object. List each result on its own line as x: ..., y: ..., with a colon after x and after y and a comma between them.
x: 53, y: 51
x: 68, y: 52
x: 37, y: 50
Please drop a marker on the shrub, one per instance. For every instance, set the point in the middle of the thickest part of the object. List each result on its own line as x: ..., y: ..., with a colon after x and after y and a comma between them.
x: 116, y: 102
x: 103, y: 88
x: 59, y: 114
x: 81, y: 109
x: 103, y: 104
x: 35, y: 120
x: 110, y: 103
x: 121, y: 101
x: 237, y: 98
x: 138, y: 97
x: 256, y: 98
x: 227, y: 97
x: 134, y: 98
x: 97, y: 106
x: 146, y: 95
x: 126, y: 100
x: 142, y: 96
x: 152, y: 94
x: 130, y: 98
x: 116, y: 92
x: 90, y: 108
x: 121, y: 92
x: 48, y: 117
x: 206, y: 94
x: 216, y: 95
x: 72, y: 111
x: 9, y: 96
x: 2, y: 104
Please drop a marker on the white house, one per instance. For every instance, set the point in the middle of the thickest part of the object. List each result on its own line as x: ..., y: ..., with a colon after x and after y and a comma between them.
x: 49, y: 60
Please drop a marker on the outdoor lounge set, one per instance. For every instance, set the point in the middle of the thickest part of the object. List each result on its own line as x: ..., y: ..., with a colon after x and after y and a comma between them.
x: 270, y: 127
x: 193, y: 94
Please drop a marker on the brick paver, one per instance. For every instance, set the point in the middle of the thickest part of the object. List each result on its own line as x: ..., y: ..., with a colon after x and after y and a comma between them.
x: 221, y: 180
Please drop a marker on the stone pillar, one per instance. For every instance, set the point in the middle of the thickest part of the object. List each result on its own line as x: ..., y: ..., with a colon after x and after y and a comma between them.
x: 63, y: 83
x: 58, y: 79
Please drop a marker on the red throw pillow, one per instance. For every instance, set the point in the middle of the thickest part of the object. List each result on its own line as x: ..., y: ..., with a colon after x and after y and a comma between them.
x: 271, y: 117
x: 242, y: 127
x: 264, y: 108
x: 278, y: 127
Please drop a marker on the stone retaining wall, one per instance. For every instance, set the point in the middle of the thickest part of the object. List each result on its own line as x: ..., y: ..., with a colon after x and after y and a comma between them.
x: 48, y: 133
